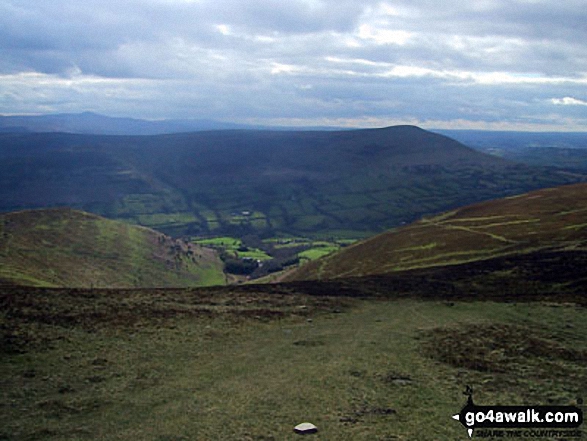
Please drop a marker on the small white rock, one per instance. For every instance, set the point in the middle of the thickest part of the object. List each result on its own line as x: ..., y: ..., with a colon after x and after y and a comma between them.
x: 305, y: 428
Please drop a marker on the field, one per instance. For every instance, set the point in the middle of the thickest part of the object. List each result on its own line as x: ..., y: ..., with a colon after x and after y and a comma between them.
x: 233, y: 246
x: 318, y: 252
x: 310, y: 249
x: 274, y: 255
x: 251, y: 362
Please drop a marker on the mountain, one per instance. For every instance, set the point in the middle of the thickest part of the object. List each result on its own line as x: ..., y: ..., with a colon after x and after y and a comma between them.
x: 63, y: 247
x: 307, y: 183
x: 539, y: 231
x: 96, y: 124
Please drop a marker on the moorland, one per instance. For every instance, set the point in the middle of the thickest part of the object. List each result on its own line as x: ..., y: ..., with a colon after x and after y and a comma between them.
x: 364, y: 358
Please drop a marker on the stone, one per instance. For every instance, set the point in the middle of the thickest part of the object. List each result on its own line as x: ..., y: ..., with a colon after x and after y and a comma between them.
x: 305, y: 428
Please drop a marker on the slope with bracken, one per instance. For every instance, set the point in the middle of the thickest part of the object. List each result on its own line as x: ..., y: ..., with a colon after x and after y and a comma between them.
x: 64, y: 247
x: 528, y: 227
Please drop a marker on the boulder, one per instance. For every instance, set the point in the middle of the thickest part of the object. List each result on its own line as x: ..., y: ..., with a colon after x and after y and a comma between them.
x: 305, y: 428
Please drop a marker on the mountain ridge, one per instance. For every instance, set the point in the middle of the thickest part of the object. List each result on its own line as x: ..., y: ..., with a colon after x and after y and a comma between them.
x: 238, y: 182
x: 91, y: 123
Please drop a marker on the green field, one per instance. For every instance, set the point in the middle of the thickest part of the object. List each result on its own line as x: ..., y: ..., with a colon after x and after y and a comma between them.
x: 318, y: 252
x: 250, y: 365
x: 222, y: 241
x: 233, y: 246
x: 280, y: 252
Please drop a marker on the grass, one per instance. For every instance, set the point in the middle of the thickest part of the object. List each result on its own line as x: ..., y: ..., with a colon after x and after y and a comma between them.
x: 318, y: 252
x: 221, y: 364
x: 254, y: 253
x: 544, y: 219
x: 222, y: 241
x: 62, y: 247
x: 160, y: 219
x: 315, y: 249
x: 232, y: 245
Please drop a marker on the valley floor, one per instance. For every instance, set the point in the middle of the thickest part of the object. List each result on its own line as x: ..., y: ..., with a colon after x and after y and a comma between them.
x: 217, y: 364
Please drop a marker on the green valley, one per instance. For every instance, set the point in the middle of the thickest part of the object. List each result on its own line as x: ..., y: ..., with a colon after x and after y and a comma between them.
x: 342, y: 184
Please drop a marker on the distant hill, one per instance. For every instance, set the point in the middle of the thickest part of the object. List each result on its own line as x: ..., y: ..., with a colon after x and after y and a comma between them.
x: 542, y: 226
x: 95, y: 124
x: 565, y: 158
x: 90, y: 123
x: 508, y: 141
x: 306, y: 183
x: 68, y: 248
x: 564, y: 150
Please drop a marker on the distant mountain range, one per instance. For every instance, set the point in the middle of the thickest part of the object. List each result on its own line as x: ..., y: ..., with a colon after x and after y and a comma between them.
x: 311, y: 183
x: 90, y: 123
x: 96, y: 124
x: 501, y: 142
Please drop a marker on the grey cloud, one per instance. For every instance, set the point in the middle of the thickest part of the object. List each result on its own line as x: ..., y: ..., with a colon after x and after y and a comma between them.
x: 288, y: 17
x: 294, y: 59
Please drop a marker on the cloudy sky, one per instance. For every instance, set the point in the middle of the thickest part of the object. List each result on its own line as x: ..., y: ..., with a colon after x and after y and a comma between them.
x: 490, y: 64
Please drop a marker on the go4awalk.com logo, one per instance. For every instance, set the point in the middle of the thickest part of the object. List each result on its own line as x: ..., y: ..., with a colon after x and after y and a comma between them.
x: 519, y: 421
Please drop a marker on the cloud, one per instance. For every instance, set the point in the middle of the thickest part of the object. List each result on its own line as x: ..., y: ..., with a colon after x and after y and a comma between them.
x: 568, y: 101
x: 263, y: 60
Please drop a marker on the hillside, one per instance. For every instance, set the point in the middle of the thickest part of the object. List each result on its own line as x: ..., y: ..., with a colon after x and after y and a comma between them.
x: 344, y: 183
x: 533, y: 224
x: 64, y: 247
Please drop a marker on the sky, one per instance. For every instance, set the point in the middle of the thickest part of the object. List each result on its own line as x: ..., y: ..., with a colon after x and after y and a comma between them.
x: 477, y: 64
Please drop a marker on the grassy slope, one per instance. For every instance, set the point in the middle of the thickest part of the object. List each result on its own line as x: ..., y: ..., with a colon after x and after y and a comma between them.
x: 547, y: 219
x: 63, y: 247
x: 249, y: 363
